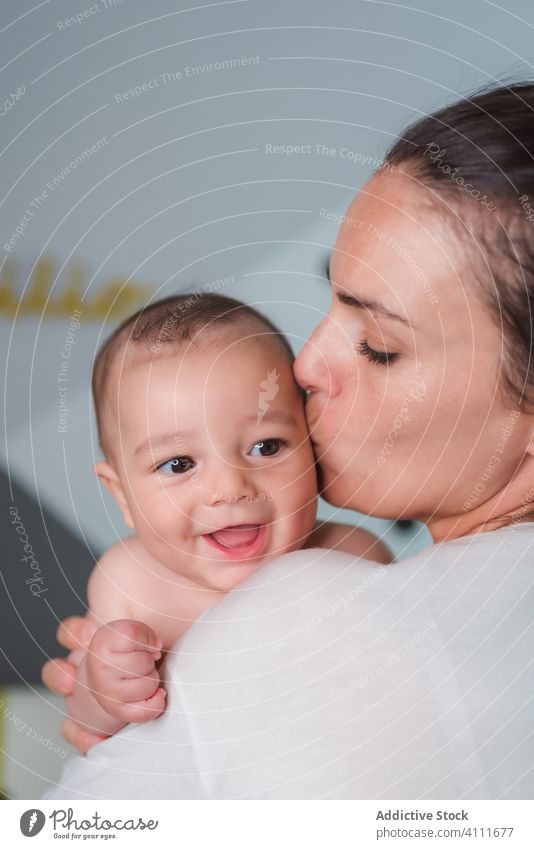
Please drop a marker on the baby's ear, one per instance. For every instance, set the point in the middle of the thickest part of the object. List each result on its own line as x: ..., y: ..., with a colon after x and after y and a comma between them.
x: 111, y: 481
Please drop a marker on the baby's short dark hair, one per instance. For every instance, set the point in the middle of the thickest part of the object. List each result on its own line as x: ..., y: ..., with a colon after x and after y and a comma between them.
x: 162, y: 326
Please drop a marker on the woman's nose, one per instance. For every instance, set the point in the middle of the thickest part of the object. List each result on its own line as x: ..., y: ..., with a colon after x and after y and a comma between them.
x: 312, y: 368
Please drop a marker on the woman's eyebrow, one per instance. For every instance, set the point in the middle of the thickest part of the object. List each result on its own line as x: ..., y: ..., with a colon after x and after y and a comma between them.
x: 365, y: 304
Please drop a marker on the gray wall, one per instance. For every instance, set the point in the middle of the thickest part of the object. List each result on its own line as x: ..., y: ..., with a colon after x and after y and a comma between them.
x: 186, y: 186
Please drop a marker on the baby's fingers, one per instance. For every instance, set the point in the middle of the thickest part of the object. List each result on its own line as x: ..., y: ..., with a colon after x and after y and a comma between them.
x: 111, y: 690
x: 58, y: 675
x: 76, y: 656
x: 132, y: 664
x: 147, y: 709
x: 75, y: 632
x: 142, y: 710
x: 128, y: 635
x: 136, y: 688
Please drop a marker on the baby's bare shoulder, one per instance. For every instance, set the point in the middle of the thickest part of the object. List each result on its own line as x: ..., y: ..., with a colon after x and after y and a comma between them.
x: 352, y: 540
x: 125, y: 554
x: 113, y: 582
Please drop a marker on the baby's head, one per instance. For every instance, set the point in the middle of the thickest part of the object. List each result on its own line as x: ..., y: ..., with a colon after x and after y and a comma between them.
x: 203, y: 429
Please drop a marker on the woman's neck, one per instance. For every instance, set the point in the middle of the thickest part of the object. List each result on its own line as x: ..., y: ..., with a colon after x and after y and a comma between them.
x: 512, y: 505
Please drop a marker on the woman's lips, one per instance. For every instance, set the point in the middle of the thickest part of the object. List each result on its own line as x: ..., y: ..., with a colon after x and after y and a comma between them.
x: 238, y: 542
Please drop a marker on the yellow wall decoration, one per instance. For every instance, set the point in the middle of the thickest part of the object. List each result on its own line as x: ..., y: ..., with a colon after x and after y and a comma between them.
x: 114, y: 300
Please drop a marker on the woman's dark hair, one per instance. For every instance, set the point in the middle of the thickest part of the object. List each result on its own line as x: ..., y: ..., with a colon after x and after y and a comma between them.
x: 478, y: 155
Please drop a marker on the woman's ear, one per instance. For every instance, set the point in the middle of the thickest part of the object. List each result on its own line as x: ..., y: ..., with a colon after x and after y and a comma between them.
x: 111, y: 481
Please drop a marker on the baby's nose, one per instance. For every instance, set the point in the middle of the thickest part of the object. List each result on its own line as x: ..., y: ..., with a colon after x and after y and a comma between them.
x: 229, y: 485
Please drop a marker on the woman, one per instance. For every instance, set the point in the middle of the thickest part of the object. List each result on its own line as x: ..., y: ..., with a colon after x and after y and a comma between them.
x: 328, y: 678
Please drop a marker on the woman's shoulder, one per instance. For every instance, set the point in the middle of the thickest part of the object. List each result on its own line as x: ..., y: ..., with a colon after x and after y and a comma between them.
x: 311, y: 600
x: 517, y: 537
x: 354, y: 540
x: 286, y: 591
x: 311, y: 576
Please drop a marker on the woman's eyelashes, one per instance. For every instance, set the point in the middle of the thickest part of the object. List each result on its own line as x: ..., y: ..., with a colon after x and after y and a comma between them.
x: 261, y: 448
x: 382, y: 358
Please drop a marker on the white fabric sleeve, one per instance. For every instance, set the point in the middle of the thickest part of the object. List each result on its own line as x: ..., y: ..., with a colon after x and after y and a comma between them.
x: 327, y: 676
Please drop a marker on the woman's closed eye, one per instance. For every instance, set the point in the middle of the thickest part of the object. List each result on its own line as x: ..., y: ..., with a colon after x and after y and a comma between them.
x: 177, y: 466
x: 379, y: 357
x: 268, y: 447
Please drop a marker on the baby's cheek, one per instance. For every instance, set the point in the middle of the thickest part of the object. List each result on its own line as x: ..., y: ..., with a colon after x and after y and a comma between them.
x: 306, y: 481
x: 301, y: 512
x: 158, y: 527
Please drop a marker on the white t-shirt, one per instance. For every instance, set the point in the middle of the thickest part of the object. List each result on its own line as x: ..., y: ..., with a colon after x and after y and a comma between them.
x: 328, y: 676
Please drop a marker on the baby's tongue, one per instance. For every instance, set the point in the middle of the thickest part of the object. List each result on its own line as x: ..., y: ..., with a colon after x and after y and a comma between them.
x: 239, y: 535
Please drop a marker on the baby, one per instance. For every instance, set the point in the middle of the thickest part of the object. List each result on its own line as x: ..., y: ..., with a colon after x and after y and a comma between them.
x: 209, y: 458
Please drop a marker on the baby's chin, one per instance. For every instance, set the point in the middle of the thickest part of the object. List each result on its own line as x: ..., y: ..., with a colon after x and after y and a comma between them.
x: 225, y: 574
x: 222, y: 572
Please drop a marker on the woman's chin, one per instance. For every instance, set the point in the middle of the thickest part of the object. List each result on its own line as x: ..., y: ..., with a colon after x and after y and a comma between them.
x: 346, y: 489
x: 330, y: 484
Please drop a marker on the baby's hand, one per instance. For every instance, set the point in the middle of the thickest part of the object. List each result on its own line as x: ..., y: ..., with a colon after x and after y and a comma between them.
x: 121, y: 670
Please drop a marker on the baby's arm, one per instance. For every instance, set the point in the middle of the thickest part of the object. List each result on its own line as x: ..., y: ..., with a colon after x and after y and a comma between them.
x: 347, y: 538
x: 117, y: 680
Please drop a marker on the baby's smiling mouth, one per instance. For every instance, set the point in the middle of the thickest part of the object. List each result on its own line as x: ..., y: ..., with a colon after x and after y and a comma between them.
x: 236, y: 536
x: 239, y: 541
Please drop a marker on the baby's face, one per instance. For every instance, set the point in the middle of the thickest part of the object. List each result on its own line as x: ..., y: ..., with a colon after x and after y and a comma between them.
x: 210, y: 440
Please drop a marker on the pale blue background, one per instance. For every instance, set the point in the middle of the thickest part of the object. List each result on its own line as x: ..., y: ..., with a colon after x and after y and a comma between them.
x: 184, y: 192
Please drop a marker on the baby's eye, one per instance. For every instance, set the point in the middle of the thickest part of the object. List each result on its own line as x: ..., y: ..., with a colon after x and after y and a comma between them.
x: 177, y: 466
x: 268, y: 447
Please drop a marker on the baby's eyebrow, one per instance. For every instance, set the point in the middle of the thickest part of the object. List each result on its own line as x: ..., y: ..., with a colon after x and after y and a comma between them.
x: 172, y: 437
x: 162, y: 439
x: 280, y: 416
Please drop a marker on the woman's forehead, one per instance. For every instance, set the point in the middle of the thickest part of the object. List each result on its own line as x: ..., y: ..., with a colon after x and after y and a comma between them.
x: 395, y: 249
